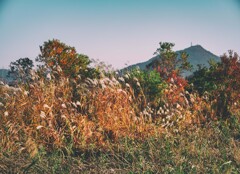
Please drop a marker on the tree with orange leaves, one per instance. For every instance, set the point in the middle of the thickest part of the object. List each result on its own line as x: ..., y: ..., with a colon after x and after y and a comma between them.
x: 62, y: 58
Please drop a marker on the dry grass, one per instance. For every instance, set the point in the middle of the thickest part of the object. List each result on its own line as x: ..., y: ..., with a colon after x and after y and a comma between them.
x: 99, y: 126
x: 209, y: 149
x: 44, y: 114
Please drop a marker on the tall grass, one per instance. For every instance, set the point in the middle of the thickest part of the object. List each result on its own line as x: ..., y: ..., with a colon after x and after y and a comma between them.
x: 59, y: 125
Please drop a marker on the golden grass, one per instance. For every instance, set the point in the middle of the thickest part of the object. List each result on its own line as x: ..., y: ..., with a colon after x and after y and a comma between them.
x: 72, y: 115
x: 44, y: 114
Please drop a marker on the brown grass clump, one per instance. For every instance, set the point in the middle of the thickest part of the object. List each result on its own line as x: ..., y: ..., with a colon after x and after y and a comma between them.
x: 46, y: 114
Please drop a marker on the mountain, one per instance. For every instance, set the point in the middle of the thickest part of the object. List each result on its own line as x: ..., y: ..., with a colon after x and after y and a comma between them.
x: 197, y: 55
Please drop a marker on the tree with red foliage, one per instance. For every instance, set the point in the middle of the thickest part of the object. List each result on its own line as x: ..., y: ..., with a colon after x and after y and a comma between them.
x: 227, y: 76
x: 169, y: 65
x: 222, y: 82
x: 62, y: 58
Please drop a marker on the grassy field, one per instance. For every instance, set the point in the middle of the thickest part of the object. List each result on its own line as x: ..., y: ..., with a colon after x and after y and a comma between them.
x: 213, y: 148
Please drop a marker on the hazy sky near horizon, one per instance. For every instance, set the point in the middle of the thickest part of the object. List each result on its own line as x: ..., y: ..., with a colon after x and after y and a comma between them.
x: 117, y: 32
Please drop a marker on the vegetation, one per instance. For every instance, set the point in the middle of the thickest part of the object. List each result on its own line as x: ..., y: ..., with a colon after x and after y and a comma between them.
x: 221, y: 81
x: 20, y: 70
x: 71, y: 117
x: 168, y: 63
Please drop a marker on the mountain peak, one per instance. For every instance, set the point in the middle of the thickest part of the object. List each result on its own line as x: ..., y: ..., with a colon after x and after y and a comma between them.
x: 197, y: 55
x: 195, y: 47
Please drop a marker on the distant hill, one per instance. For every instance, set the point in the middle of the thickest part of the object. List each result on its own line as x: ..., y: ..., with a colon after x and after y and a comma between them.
x: 197, y: 55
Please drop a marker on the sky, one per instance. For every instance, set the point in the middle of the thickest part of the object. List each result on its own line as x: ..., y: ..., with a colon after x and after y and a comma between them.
x: 118, y: 32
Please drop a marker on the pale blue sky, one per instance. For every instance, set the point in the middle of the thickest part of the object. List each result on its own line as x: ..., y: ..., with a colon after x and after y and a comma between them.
x: 117, y: 31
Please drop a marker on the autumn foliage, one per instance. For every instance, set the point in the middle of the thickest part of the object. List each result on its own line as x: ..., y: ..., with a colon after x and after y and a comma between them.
x: 59, y: 109
x: 62, y: 58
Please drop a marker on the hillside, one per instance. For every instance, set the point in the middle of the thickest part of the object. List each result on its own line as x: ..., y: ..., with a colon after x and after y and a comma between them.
x: 197, y: 55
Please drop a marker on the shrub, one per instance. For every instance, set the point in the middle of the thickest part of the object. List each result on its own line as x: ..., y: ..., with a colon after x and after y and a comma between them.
x: 222, y: 80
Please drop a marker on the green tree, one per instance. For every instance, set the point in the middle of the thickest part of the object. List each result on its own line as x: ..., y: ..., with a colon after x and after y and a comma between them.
x: 203, y: 79
x: 20, y: 69
x: 168, y: 62
x: 148, y: 86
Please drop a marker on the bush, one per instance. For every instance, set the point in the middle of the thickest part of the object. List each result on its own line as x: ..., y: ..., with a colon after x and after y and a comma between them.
x: 147, y: 85
x: 222, y: 81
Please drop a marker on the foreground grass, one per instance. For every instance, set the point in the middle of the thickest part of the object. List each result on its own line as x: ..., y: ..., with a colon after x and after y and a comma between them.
x: 212, y: 148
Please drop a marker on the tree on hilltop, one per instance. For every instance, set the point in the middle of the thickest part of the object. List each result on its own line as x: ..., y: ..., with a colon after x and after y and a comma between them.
x: 167, y: 62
